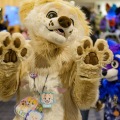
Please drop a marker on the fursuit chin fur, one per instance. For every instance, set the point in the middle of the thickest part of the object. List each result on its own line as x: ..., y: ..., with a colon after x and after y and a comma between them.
x: 61, y: 49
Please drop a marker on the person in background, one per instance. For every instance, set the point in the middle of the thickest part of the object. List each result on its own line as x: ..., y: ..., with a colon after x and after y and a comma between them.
x: 3, y: 24
x: 88, y: 17
x: 11, y: 30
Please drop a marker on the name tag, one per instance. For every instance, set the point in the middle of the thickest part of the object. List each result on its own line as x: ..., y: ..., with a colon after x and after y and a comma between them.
x: 47, y: 99
x: 26, y: 105
x: 34, y: 115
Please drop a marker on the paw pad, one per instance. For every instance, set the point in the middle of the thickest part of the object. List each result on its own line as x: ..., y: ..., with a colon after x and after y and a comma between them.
x: 17, y: 43
x: 100, y: 47
x: 6, y: 42
x: 87, y: 44
x: 91, y: 59
x: 79, y: 50
x: 99, y: 54
x: 24, y: 52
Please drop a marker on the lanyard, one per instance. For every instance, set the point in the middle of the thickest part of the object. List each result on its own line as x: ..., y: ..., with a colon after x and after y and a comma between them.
x: 44, y: 84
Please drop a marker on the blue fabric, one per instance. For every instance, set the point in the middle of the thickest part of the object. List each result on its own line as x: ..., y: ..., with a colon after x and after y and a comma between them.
x: 110, y: 90
x: 111, y: 42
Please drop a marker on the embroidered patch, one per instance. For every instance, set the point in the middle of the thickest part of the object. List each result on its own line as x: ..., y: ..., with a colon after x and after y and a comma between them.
x: 47, y: 99
x: 25, y: 106
x: 34, y: 115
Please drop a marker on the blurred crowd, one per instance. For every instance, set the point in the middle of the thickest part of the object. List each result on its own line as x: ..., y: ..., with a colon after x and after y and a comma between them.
x: 104, y: 26
x: 4, y: 26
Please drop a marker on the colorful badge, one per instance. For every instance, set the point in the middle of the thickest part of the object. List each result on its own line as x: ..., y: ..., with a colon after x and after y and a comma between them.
x: 47, y: 99
x: 25, y: 106
x: 34, y: 115
x: 116, y: 113
x: 39, y: 108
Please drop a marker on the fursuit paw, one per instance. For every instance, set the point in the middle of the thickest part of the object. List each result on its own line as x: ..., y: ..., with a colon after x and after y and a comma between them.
x: 90, y: 59
x: 99, y: 105
x: 13, y: 50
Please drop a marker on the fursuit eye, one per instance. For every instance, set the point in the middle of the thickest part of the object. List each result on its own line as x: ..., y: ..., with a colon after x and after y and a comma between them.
x: 72, y: 21
x: 115, y: 64
x: 51, y: 14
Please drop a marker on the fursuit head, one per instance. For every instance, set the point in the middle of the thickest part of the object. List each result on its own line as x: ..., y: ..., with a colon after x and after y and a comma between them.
x: 109, y: 95
x: 56, y: 21
x: 112, y: 70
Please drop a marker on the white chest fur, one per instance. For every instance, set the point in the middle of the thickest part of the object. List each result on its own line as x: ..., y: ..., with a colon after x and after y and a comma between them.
x: 51, y: 82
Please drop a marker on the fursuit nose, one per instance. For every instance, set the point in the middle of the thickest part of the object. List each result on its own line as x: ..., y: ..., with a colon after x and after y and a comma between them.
x: 64, y: 21
x: 104, y: 72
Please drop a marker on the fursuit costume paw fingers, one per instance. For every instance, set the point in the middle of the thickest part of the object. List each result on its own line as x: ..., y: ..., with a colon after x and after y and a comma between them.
x: 105, y: 55
x: 99, y: 105
x: 97, y: 55
x: 90, y: 60
x: 13, y: 50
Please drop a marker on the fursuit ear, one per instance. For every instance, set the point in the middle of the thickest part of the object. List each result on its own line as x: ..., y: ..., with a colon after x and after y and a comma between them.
x: 111, y: 43
x: 39, y: 2
x: 25, y: 7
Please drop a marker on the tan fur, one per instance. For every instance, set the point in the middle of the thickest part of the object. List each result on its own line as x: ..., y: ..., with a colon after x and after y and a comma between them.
x: 10, y: 80
x: 85, y: 92
x: 66, y: 66
x: 56, y: 57
x: 85, y: 23
x: 41, y: 61
x: 71, y: 110
x: 26, y: 7
x: 39, y: 2
x: 68, y: 60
